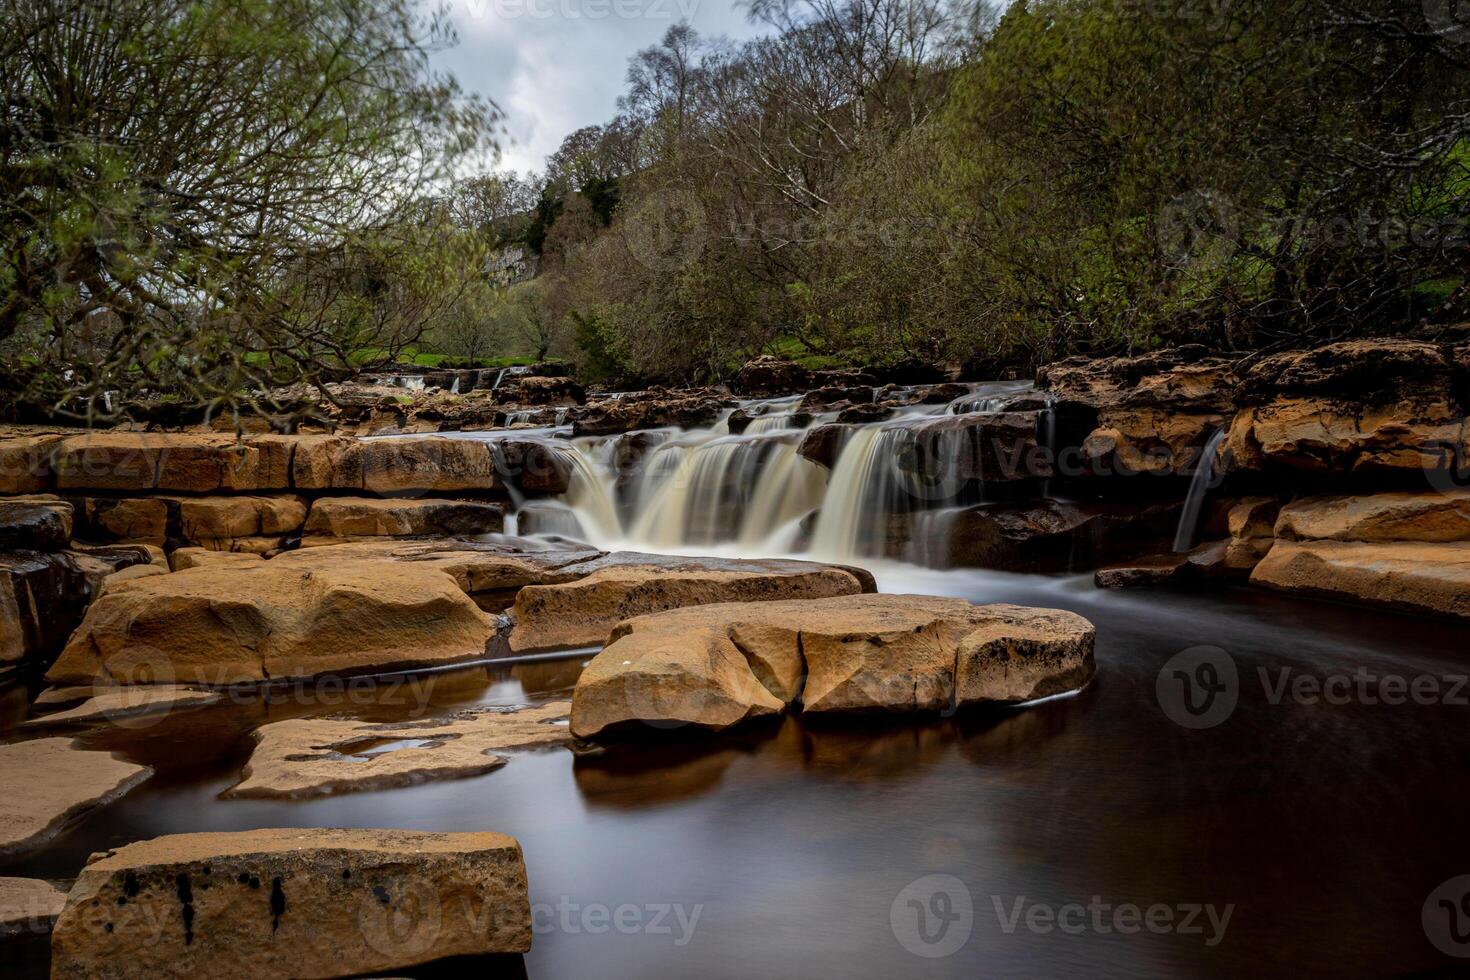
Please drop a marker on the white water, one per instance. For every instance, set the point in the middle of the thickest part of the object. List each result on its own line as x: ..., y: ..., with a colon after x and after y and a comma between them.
x: 1194, y: 501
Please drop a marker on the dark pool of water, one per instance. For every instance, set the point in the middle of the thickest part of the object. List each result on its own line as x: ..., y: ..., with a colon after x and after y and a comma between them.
x: 1322, y: 827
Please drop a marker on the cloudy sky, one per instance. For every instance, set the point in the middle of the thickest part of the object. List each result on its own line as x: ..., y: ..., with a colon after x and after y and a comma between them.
x: 555, y: 65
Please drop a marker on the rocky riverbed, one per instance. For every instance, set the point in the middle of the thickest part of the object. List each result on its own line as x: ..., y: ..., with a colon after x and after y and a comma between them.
x: 692, y: 572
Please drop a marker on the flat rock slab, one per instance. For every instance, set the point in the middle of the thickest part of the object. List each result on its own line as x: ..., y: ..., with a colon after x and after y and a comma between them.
x: 292, y: 903
x: 60, y: 782
x: 28, y: 906
x: 247, y: 623
x: 581, y: 611
x: 307, y: 757
x: 1407, y: 575
x: 715, y: 666
x: 127, y: 704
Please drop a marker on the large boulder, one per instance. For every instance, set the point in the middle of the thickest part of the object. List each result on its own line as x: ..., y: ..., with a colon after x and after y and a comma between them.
x: 292, y: 904
x: 35, y: 524
x: 720, y: 665
x: 60, y: 783
x: 202, y: 520
x: 348, y: 517
x: 580, y: 612
x: 822, y: 444
x: 1378, y: 517
x: 225, y: 624
x: 1412, y: 576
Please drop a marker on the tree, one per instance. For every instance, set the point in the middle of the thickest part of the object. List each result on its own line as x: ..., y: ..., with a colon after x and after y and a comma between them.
x: 184, y: 183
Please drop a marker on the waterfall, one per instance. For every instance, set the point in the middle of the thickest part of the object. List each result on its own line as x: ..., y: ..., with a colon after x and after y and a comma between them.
x: 498, y: 378
x: 454, y: 388
x: 1204, y: 474
x: 589, y: 499
x: 857, y: 496
x: 700, y: 500
x: 790, y: 487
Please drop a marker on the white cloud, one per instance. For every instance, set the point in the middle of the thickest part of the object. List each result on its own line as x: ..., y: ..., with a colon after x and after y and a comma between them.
x: 557, y: 65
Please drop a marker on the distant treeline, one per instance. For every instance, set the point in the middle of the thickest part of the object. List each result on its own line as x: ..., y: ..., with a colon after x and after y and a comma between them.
x: 206, y: 201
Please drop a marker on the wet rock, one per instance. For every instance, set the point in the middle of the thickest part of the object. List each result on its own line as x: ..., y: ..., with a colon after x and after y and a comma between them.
x: 823, y: 444
x: 1378, y: 517
x: 292, y: 903
x: 534, y: 467
x: 612, y: 417
x: 825, y: 398
x: 717, y: 666
x: 863, y: 414
x: 990, y: 448
x: 581, y: 611
x: 37, y: 525
x: 254, y: 622
x: 61, y: 783
x: 1057, y: 536
x: 1204, y: 562
x: 42, y: 597
x: 1412, y: 576
x: 28, y: 907
x: 349, y: 517
x: 306, y: 757
x: 769, y: 377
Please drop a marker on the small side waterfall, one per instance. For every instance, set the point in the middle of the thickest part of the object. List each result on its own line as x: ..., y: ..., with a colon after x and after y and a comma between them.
x: 1204, y: 475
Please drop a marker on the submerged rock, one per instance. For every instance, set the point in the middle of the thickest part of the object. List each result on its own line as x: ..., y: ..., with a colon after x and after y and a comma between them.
x: 61, y: 783
x: 292, y: 903
x: 125, y: 703
x: 317, y: 756
x: 717, y: 666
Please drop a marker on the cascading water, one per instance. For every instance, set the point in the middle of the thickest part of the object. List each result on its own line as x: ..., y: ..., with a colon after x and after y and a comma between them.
x: 1204, y: 474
